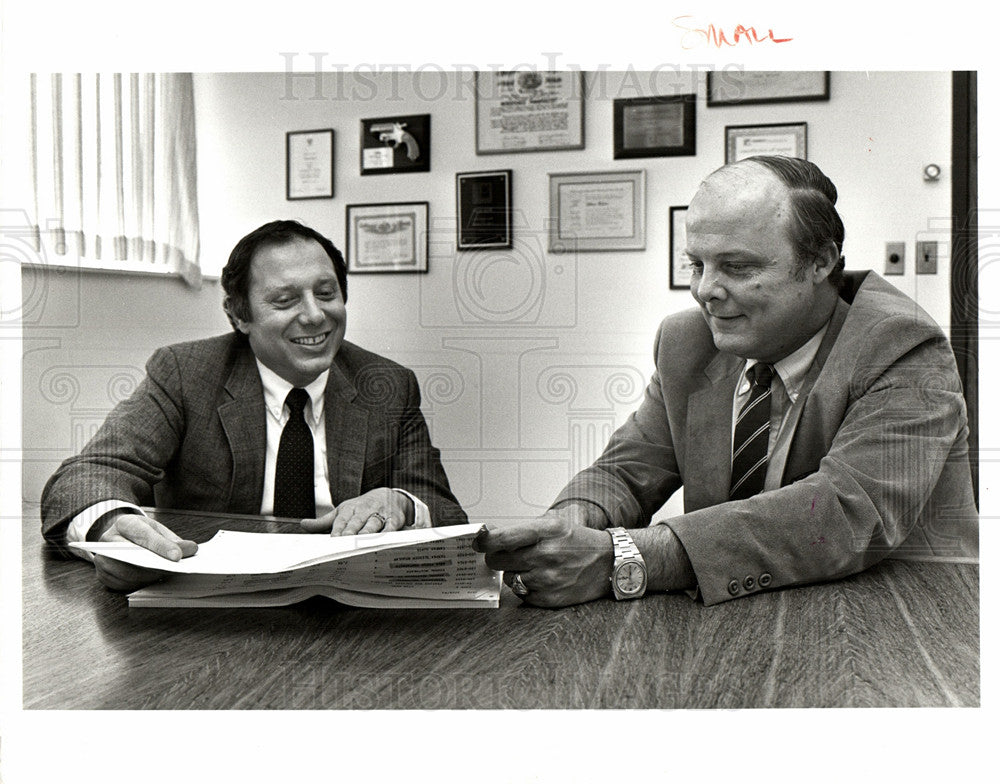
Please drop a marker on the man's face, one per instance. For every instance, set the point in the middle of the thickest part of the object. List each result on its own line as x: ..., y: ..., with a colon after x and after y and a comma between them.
x: 297, y: 312
x: 743, y: 266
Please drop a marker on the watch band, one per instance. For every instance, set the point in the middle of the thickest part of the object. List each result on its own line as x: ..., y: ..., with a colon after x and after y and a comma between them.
x: 626, y: 555
x: 624, y: 546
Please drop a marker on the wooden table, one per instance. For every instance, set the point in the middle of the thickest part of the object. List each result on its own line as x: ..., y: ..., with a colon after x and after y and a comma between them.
x: 901, y: 634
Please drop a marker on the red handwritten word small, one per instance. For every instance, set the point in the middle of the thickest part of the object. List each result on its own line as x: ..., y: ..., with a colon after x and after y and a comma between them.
x: 821, y: 540
x: 716, y: 36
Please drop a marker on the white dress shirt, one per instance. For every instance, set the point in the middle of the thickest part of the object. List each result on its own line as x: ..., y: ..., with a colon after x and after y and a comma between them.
x: 276, y: 389
x: 789, y: 373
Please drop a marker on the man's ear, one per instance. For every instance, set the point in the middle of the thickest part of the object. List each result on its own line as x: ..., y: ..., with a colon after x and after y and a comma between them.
x: 240, y: 324
x: 825, y: 262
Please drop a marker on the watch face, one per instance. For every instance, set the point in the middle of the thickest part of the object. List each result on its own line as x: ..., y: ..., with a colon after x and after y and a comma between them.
x: 630, y: 577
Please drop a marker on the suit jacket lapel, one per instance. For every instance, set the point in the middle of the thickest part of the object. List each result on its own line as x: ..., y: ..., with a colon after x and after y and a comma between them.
x: 346, y: 436
x: 791, y: 463
x: 243, y: 419
x: 709, y: 435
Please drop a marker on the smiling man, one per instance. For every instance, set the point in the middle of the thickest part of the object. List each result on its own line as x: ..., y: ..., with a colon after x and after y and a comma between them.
x: 282, y: 416
x: 814, y: 418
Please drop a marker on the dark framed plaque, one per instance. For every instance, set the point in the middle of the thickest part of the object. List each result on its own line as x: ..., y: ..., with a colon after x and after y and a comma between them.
x: 680, y: 265
x: 732, y: 88
x: 393, y: 145
x: 654, y: 127
x: 483, y: 209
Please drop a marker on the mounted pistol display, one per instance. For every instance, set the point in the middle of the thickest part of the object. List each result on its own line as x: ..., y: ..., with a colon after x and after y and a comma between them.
x: 396, y: 144
x: 395, y: 134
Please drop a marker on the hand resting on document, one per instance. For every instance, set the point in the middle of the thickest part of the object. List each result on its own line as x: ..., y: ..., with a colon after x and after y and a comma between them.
x: 145, y: 532
x: 381, y: 509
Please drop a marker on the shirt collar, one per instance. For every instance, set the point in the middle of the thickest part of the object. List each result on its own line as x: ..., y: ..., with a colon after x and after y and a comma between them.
x: 276, y: 389
x: 791, y: 369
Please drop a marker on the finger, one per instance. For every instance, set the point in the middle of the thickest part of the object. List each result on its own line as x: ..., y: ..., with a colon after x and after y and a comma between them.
x: 138, y: 530
x: 511, y: 537
x: 394, y: 523
x: 319, y: 524
x: 119, y: 576
x: 376, y: 522
x: 188, y: 546
x: 511, y: 561
x: 509, y: 576
x: 344, y: 517
x: 362, y: 522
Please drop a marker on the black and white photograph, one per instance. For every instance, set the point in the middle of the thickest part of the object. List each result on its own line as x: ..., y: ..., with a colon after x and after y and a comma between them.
x: 302, y: 481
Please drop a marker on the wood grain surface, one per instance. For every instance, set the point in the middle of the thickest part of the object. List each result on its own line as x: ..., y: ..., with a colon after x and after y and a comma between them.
x: 901, y: 634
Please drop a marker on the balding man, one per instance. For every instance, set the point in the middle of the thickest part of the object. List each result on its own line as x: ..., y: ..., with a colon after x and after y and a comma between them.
x: 814, y: 418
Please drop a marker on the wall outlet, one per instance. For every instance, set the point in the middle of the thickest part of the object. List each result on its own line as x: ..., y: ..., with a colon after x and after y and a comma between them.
x: 895, y: 254
x: 927, y: 257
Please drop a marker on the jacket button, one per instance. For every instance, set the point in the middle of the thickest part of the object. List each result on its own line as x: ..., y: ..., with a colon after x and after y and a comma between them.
x: 734, y: 587
x: 749, y: 582
x: 765, y: 580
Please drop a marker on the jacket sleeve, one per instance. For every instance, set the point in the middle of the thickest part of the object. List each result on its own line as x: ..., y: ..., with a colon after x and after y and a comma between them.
x: 416, y: 464
x: 903, y: 421
x: 127, y: 456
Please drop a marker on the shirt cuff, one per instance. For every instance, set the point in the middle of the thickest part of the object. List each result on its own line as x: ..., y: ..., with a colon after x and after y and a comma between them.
x: 80, y: 525
x: 421, y: 514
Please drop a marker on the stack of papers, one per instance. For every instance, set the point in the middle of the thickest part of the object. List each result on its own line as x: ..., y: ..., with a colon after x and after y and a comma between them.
x: 416, y: 568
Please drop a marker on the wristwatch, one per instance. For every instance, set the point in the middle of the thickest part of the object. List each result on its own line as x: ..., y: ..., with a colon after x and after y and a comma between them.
x: 628, y: 576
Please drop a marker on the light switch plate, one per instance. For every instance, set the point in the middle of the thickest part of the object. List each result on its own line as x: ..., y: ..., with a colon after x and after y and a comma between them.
x: 926, y: 254
x: 895, y: 256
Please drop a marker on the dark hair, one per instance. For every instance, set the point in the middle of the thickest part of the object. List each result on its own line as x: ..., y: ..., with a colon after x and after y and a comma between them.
x: 815, y: 222
x: 236, y: 273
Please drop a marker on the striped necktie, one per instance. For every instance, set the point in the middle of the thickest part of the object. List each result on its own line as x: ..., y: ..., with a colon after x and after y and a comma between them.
x: 750, y: 438
x: 294, y: 494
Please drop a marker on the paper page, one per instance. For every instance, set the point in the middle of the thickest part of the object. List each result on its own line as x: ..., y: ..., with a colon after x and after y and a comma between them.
x: 237, y: 552
x: 286, y: 596
x: 443, y: 569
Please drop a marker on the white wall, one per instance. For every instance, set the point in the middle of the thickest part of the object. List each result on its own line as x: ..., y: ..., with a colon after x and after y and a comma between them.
x: 519, y: 404
x: 520, y: 399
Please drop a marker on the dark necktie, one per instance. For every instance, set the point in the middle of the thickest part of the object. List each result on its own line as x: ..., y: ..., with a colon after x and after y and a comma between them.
x: 294, y: 495
x: 750, y: 438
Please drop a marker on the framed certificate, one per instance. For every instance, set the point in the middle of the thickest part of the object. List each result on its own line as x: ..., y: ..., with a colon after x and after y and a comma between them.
x: 730, y: 88
x: 309, y: 164
x: 680, y: 266
x: 527, y: 111
x: 597, y: 211
x: 742, y: 141
x: 483, y: 209
x: 387, y: 237
x: 654, y: 127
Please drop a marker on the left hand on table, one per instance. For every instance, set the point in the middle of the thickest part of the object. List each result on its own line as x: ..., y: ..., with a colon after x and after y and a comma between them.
x: 382, y: 509
x: 560, y: 563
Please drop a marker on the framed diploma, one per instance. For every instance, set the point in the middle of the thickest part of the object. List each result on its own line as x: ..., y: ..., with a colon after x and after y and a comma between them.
x: 527, y: 111
x: 742, y: 141
x: 680, y: 266
x: 390, y: 145
x: 483, y: 209
x: 597, y: 211
x: 309, y: 164
x: 654, y: 127
x: 729, y: 88
x: 387, y: 237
